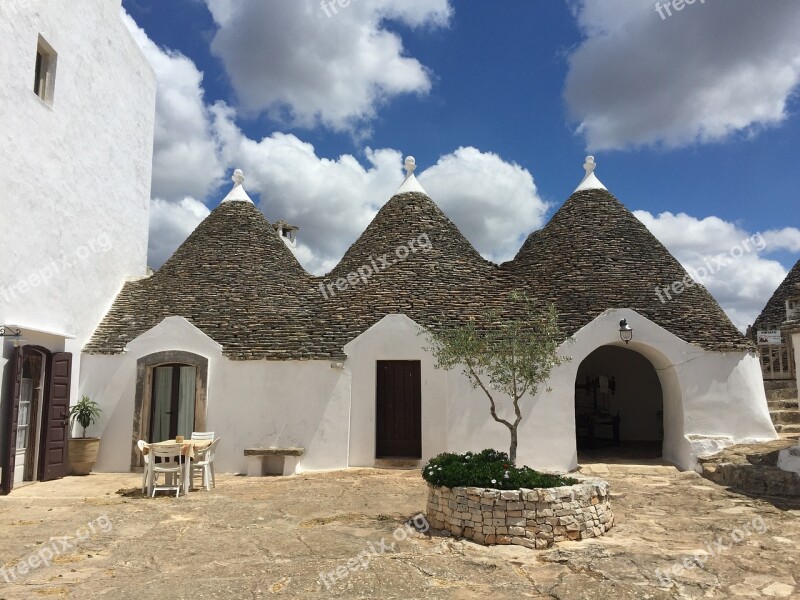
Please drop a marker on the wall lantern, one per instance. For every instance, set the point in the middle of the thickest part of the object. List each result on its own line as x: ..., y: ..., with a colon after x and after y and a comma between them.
x: 9, y: 332
x: 625, y: 331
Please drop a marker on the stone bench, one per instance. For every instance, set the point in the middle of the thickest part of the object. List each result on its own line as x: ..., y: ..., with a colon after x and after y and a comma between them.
x: 272, y: 461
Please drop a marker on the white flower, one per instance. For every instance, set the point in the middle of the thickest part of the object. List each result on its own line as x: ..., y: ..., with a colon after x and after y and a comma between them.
x: 494, y: 480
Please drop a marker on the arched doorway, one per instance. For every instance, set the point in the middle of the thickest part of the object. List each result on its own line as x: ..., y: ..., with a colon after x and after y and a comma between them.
x: 619, y: 405
x: 171, y: 398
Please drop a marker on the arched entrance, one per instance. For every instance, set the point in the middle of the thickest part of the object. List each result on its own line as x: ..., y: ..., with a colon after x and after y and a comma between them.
x: 171, y: 398
x: 619, y: 405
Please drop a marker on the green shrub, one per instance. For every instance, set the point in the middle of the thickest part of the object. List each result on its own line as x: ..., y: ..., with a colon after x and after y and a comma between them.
x: 487, y: 469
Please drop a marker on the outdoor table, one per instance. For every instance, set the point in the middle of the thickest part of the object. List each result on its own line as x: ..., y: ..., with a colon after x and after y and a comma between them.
x: 189, y: 449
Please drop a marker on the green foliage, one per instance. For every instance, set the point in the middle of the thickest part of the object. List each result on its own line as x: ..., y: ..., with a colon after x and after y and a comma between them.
x: 85, y: 412
x: 509, y: 356
x: 487, y: 469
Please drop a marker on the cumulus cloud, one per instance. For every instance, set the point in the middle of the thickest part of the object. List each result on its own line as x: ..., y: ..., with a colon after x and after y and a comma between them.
x: 170, y: 224
x: 706, y: 72
x: 493, y: 202
x: 306, y: 65
x: 728, y: 260
x: 185, y: 159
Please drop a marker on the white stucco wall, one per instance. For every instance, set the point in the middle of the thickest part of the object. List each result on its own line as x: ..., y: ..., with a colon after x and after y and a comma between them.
x: 250, y: 403
x: 710, y: 399
x: 76, y: 174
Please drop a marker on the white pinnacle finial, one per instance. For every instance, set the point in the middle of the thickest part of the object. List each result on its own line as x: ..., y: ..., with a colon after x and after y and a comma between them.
x: 590, y: 180
x: 411, y: 184
x: 237, y: 194
x: 589, y: 165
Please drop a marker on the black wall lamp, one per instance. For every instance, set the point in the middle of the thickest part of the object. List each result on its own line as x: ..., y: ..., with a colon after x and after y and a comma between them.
x: 625, y: 331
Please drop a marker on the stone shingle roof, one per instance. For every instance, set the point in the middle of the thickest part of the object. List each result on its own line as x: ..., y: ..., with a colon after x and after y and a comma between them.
x: 594, y: 254
x: 234, y: 279
x: 774, y: 312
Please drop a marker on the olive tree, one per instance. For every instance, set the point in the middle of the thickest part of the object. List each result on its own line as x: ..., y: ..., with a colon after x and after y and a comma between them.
x: 507, y: 357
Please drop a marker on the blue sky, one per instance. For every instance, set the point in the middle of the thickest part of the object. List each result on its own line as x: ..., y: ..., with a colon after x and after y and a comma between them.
x: 693, y: 119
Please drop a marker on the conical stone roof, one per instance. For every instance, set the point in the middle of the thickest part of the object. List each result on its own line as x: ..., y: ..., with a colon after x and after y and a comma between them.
x: 234, y: 279
x: 774, y: 312
x: 595, y: 255
x: 415, y: 261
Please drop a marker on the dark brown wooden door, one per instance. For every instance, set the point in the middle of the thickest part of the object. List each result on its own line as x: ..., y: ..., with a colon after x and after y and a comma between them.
x: 10, y: 415
x: 399, y: 409
x: 53, y: 453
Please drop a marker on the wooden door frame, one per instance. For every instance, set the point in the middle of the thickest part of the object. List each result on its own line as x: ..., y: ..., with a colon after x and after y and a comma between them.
x: 12, y: 414
x: 143, y: 404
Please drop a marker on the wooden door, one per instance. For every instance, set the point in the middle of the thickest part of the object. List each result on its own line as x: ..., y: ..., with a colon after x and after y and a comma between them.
x: 55, y: 421
x: 399, y: 409
x: 10, y: 410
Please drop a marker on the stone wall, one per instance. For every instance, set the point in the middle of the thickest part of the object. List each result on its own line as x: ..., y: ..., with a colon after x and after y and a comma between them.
x: 531, y: 518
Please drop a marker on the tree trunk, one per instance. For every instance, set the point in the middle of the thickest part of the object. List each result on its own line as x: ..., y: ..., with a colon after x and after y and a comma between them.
x: 512, y: 454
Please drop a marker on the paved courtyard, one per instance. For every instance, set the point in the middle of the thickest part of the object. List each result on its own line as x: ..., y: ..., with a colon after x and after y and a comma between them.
x: 272, y: 537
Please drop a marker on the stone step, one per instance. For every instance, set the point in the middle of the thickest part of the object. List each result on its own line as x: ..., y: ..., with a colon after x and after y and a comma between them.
x: 783, y: 404
x: 776, y: 384
x: 782, y: 394
x: 785, y: 417
x: 791, y: 429
x: 752, y: 468
x: 754, y: 479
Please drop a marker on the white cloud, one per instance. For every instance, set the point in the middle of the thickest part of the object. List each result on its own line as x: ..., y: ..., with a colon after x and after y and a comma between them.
x: 711, y: 70
x: 185, y: 160
x: 494, y: 203
x: 306, y: 68
x: 726, y: 259
x: 170, y: 224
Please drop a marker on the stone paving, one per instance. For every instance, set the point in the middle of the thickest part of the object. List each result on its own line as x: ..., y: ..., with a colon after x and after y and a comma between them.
x: 272, y: 537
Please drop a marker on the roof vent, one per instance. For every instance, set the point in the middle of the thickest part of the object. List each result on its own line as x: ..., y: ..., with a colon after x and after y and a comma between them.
x: 590, y: 180
x: 237, y: 194
x: 411, y: 184
x: 287, y: 232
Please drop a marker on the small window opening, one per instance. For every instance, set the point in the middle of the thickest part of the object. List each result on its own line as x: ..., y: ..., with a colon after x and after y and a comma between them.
x: 45, y: 71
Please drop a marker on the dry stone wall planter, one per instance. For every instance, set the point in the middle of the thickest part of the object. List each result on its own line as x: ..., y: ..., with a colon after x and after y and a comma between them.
x: 532, y: 518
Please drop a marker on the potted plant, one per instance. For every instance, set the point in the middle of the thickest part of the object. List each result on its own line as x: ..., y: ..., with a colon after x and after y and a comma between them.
x: 83, y: 450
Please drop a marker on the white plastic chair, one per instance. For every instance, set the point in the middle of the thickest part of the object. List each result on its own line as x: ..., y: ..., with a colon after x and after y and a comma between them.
x: 171, y: 465
x: 204, y: 462
x: 147, y: 462
x: 202, y: 435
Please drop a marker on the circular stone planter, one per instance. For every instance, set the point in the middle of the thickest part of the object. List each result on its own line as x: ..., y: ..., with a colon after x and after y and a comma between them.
x: 532, y: 518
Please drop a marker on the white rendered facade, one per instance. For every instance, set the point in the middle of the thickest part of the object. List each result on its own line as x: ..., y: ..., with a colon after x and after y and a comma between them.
x: 711, y: 399
x: 75, y: 170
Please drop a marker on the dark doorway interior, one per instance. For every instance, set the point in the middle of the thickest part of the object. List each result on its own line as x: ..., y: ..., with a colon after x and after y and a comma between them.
x: 618, y: 405
x: 399, y: 409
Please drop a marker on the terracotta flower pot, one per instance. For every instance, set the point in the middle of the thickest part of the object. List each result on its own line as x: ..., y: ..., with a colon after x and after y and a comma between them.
x: 83, y: 455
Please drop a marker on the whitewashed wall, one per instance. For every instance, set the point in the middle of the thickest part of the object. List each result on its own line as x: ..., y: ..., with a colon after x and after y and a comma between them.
x: 76, y: 174
x: 250, y: 403
x: 710, y: 399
